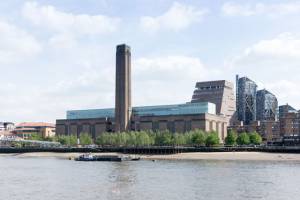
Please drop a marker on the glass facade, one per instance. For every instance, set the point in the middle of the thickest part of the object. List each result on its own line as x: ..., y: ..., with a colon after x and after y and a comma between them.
x: 178, y: 109
x: 91, y: 114
x: 246, y: 100
x: 266, y: 105
x: 160, y: 110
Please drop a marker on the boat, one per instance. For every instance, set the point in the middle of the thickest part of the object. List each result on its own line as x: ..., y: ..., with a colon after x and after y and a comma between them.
x: 111, y: 158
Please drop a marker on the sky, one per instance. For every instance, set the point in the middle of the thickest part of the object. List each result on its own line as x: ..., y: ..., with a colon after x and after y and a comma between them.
x: 59, y: 55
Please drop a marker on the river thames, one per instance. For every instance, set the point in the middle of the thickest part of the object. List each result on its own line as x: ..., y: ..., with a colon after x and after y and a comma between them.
x: 56, y: 179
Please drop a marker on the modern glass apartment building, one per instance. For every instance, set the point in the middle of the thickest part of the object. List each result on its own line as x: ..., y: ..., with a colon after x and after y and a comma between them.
x: 246, y: 100
x: 266, y: 106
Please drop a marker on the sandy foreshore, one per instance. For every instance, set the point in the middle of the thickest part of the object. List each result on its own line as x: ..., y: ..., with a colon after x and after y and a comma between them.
x: 183, y: 156
x: 229, y: 156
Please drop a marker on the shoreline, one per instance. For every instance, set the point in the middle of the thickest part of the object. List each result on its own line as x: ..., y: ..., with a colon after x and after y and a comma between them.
x: 226, y: 156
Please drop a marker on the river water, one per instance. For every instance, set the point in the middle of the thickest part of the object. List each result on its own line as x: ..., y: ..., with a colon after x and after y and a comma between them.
x: 60, y: 179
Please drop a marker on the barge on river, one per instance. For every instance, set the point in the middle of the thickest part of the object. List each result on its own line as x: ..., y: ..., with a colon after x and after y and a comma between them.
x: 111, y: 158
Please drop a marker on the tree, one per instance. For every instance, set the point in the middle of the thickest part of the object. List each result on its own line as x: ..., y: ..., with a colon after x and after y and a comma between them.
x: 132, y: 138
x: 142, y: 139
x: 231, y: 138
x: 119, y: 139
x: 255, y: 138
x: 198, y: 137
x: 243, y: 139
x: 212, y: 139
x: 179, y: 139
x: 35, y: 136
x: 151, y: 135
x: 85, y: 139
x: 189, y: 138
x: 163, y: 138
x: 66, y: 140
x: 72, y: 140
x: 103, y: 139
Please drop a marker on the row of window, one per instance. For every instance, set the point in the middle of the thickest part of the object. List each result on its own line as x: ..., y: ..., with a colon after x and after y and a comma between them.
x: 210, y: 87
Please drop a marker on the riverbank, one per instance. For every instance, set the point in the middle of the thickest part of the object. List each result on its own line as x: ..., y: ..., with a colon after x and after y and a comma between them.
x: 260, y: 156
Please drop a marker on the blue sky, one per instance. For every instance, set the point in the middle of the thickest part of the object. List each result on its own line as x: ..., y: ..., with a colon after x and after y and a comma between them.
x: 60, y: 54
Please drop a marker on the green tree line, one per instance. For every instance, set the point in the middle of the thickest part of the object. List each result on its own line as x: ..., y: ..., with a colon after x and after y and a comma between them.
x: 140, y: 138
x: 243, y: 138
x: 158, y: 138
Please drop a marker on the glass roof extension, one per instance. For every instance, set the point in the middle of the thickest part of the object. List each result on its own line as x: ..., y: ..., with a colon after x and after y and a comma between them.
x: 177, y: 109
x: 159, y: 110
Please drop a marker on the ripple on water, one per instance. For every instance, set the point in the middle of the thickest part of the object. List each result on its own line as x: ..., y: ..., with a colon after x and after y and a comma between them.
x: 51, y: 179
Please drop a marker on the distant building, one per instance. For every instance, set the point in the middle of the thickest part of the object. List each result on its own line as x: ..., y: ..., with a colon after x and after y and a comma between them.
x: 266, y: 106
x: 289, y: 121
x: 285, y: 109
x: 7, y: 126
x: 246, y: 100
x: 256, y: 110
x: 26, y: 129
x: 269, y: 130
x: 220, y: 93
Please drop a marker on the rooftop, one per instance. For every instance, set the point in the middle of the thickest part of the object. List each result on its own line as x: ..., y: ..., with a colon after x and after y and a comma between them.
x: 35, y: 124
x: 214, y: 83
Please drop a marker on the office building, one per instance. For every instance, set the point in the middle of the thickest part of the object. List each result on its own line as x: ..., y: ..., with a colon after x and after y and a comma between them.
x: 26, y: 129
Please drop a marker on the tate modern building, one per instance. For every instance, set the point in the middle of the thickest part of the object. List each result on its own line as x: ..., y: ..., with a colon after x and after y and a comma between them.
x: 209, y: 112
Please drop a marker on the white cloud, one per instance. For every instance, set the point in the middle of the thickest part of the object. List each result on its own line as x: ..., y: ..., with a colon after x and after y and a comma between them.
x: 283, y: 50
x: 234, y: 9
x: 63, y: 41
x: 178, y: 17
x: 284, y: 45
x: 170, y: 79
x: 51, y: 18
x: 170, y: 67
x: 276, y: 63
x: 287, y: 89
x: 46, y: 102
x: 16, y: 44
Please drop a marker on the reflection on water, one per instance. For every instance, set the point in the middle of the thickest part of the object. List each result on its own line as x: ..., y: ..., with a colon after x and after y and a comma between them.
x: 55, y: 179
x: 122, y: 178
